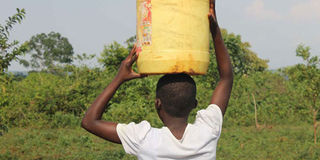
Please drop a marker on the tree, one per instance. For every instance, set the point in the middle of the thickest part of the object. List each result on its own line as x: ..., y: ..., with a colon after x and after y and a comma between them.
x: 306, y: 78
x: 130, y: 42
x: 9, y: 51
x: 244, y: 60
x: 47, y: 50
x: 112, y: 55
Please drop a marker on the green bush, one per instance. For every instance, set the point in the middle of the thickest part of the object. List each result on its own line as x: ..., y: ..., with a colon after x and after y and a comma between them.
x: 8, y: 156
x: 275, y: 99
x: 41, y: 96
x: 61, y: 100
x: 61, y: 119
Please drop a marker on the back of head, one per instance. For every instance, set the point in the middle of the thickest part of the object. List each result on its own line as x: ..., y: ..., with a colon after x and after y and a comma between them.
x: 177, y: 93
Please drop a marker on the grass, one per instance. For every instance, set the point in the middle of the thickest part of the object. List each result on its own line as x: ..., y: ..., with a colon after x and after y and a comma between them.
x: 64, y: 143
x: 278, y: 142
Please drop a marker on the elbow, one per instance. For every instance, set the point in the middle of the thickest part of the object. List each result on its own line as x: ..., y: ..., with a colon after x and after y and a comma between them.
x: 88, y: 122
x: 85, y: 124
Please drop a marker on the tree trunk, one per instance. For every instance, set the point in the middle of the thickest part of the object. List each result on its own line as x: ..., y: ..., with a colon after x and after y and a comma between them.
x: 315, y: 125
x: 255, y: 111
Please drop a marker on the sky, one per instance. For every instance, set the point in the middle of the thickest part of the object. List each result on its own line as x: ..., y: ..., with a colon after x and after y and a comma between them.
x: 273, y: 28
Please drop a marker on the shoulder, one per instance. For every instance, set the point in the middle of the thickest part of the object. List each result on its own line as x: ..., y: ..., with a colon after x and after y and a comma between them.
x: 132, y: 135
x: 134, y: 128
x: 211, y: 110
x: 210, y: 117
x: 133, y: 124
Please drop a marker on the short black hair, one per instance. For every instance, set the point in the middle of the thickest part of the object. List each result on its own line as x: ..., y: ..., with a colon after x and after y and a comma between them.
x: 177, y: 93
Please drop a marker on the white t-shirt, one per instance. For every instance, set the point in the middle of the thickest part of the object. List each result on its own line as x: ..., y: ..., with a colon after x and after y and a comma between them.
x: 199, y: 141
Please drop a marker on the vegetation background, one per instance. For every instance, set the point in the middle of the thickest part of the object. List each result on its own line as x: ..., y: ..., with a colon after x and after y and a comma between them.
x: 272, y: 114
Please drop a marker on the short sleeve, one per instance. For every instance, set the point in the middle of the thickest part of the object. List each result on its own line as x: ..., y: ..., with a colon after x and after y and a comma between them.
x: 211, y: 117
x: 132, y: 135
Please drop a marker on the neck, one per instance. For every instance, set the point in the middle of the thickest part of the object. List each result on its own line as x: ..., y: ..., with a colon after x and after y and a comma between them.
x: 174, y: 122
x: 176, y: 125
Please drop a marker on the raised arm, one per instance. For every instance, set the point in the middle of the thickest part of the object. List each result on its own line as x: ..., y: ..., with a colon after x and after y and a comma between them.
x: 222, y: 92
x: 92, y: 120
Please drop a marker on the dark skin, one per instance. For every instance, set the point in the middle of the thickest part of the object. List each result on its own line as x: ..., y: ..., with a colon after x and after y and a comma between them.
x: 107, y: 130
x: 222, y: 92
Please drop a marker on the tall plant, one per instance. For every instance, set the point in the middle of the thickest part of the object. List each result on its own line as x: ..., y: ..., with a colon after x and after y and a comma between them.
x: 306, y: 78
x: 10, y: 51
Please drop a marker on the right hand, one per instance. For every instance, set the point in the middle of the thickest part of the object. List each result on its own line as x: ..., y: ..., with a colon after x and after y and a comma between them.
x: 126, y: 72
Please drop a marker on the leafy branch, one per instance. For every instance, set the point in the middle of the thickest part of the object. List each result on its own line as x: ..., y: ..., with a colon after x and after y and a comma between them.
x: 10, y: 50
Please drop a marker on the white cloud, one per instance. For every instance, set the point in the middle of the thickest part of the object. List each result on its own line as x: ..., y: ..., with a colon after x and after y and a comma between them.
x: 258, y: 10
x: 308, y: 10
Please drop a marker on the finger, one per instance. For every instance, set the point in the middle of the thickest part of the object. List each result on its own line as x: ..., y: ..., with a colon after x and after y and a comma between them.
x: 133, y: 51
x: 211, y: 17
x: 212, y: 6
x: 137, y: 75
x: 133, y: 59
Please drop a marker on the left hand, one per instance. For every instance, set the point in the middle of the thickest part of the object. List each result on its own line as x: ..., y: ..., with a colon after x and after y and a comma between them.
x: 126, y: 72
x: 212, y: 17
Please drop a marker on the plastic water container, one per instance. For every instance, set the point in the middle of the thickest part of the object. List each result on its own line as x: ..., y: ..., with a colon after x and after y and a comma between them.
x: 173, y: 36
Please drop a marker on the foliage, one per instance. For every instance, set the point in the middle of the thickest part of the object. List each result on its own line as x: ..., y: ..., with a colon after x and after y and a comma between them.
x: 244, y: 60
x: 47, y: 50
x: 58, y: 99
x: 5, y: 80
x: 271, y: 94
x: 306, y: 78
x: 239, y: 142
x: 130, y: 42
x: 112, y: 56
x: 69, y: 90
x: 41, y: 95
x: 82, y: 58
x: 10, y: 50
x: 62, y: 96
x: 61, y: 119
x: 274, y: 142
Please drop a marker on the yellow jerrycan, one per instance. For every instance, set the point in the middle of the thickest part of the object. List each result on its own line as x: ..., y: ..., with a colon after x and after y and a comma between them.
x: 173, y: 36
